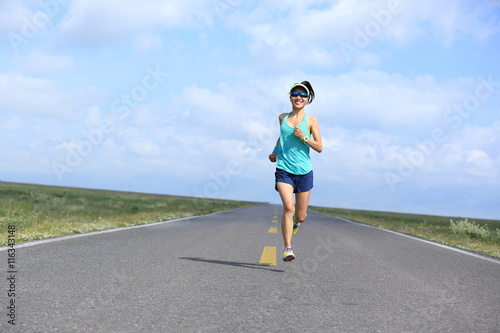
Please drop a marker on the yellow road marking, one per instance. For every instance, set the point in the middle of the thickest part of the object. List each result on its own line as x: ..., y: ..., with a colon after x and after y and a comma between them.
x: 275, y: 221
x: 268, y: 256
x: 273, y: 230
x: 275, y: 216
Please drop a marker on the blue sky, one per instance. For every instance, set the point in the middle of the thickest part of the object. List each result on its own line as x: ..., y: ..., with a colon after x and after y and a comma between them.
x: 183, y: 97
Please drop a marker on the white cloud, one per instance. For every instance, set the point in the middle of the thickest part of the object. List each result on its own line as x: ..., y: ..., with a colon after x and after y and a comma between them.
x: 316, y: 33
x: 449, y: 22
x: 91, y: 117
x: 476, y: 151
x: 479, y: 163
x: 224, y: 112
x: 94, y: 22
x: 144, y: 147
x: 470, y: 156
x: 39, y: 63
x: 148, y: 42
x: 43, y: 97
x: 377, y: 100
x: 12, y: 13
x: 358, y: 157
x: 11, y: 124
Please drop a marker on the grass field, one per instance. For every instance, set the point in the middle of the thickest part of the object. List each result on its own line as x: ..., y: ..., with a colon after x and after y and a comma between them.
x: 40, y: 212
x: 482, y: 236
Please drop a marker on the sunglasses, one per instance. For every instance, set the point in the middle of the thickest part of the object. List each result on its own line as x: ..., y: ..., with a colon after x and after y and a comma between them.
x: 297, y: 94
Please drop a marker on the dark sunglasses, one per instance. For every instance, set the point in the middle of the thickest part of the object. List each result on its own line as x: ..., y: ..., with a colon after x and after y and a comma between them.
x: 297, y: 94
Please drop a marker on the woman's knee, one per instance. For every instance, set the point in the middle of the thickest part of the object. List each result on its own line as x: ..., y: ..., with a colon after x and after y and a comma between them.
x: 300, y: 217
x: 288, y: 209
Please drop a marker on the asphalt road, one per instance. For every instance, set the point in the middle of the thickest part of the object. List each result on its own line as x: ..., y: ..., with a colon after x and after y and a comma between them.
x: 203, y: 275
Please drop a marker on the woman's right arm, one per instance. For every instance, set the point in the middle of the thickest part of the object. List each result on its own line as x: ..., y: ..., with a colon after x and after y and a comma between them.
x: 273, y: 156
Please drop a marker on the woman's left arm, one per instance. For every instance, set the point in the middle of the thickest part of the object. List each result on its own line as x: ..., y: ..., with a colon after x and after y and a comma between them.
x: 315, y: 144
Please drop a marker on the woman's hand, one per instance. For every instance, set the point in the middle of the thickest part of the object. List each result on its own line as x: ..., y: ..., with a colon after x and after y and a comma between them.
x: 272, y: 157
x: 298, y: 133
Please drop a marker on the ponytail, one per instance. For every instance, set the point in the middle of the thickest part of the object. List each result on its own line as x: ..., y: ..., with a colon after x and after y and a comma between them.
x: 311, y: 91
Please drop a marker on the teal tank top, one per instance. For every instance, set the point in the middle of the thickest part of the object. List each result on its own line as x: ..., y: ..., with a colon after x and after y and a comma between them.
x: 293, y: 156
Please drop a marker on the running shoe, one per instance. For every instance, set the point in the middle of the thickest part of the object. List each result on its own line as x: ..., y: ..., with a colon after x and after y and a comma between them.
x: 288, y: 254
x: 296, y: 227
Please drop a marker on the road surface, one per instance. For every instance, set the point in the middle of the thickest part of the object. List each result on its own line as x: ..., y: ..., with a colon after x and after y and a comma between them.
x: 209, y: 274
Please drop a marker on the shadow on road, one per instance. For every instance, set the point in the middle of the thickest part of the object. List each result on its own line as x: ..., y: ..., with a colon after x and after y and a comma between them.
x: 233, y: 263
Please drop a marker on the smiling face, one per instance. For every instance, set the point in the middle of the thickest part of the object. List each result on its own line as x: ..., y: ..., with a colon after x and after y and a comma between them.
x: 299, y: 101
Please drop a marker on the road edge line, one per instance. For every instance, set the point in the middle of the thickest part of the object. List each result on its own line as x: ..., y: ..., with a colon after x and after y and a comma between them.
x: 91, y: 233
x: 472, y: 254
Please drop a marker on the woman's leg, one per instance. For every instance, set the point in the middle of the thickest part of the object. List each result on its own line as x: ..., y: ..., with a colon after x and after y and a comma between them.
x: 286, y: 193
x: 301, y: 204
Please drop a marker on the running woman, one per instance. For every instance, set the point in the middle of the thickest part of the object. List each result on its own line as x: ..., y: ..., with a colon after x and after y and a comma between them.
x: 298, y: 133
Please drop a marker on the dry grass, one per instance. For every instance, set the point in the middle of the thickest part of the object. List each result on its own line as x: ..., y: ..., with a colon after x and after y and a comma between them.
x: 434, y: 228
x: 40, y: 212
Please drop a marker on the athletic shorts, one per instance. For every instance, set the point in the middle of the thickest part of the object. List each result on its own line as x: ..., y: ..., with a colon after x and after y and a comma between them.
x: 300, y: 183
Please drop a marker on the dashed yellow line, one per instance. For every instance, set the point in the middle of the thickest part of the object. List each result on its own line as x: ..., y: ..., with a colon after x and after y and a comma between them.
x: 268, y: 256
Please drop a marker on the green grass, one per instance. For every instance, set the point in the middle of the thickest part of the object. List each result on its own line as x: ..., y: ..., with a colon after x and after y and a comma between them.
x: 476, y: 235
x: 40, y: 212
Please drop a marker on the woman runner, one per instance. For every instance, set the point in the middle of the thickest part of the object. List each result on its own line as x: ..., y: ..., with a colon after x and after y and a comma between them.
x: 298, y: 133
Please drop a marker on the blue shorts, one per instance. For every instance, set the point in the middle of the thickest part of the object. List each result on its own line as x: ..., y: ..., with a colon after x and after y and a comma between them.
x: 300, y: 183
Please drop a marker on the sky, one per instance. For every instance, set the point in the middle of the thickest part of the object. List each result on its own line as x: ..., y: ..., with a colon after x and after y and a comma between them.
x: 183, y: 98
